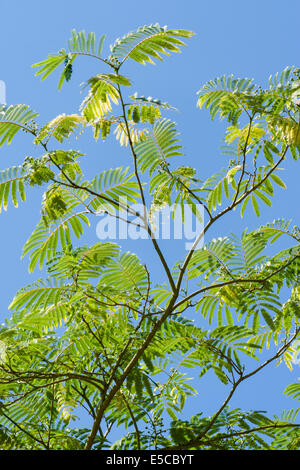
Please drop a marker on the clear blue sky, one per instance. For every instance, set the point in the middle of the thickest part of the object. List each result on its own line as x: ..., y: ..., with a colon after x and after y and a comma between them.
x: 251, y: 39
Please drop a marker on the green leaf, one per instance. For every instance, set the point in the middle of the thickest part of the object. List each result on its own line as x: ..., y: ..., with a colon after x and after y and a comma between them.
x: 263, y: 197
x: 268, y: 155
x: 244, y: 205
x: 12, y: 183
x: 278, y: 181
x: 13, y: 119
x: 148, y: 42
x: 159, y: 145
x: 268, y: 319
x: 49, y: 65
x: 100, y: 46
x: 255, y: 205
x: 120, y: 79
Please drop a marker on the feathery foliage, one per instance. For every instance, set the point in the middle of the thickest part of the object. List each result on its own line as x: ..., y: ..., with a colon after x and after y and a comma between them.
x: 104, y: 338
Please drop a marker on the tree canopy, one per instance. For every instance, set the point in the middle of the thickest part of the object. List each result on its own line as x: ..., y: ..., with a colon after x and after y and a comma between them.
x: 99, y: 338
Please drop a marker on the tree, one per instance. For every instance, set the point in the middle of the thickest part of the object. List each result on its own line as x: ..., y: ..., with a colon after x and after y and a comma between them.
x: 98, y: 336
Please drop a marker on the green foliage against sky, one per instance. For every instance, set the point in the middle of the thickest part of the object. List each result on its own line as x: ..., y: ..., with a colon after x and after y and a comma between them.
x: 99, y: 336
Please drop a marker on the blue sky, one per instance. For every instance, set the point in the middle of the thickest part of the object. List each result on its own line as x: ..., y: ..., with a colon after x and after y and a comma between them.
x: 249, y: 39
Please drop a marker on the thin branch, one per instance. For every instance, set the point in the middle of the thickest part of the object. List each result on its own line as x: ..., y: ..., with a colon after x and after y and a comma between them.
x: 147, y: 227
x: 236, y: 281
x: 233, y: 434
x: 137, y: 432
x: 25, y: 431
x: 235, y: 386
